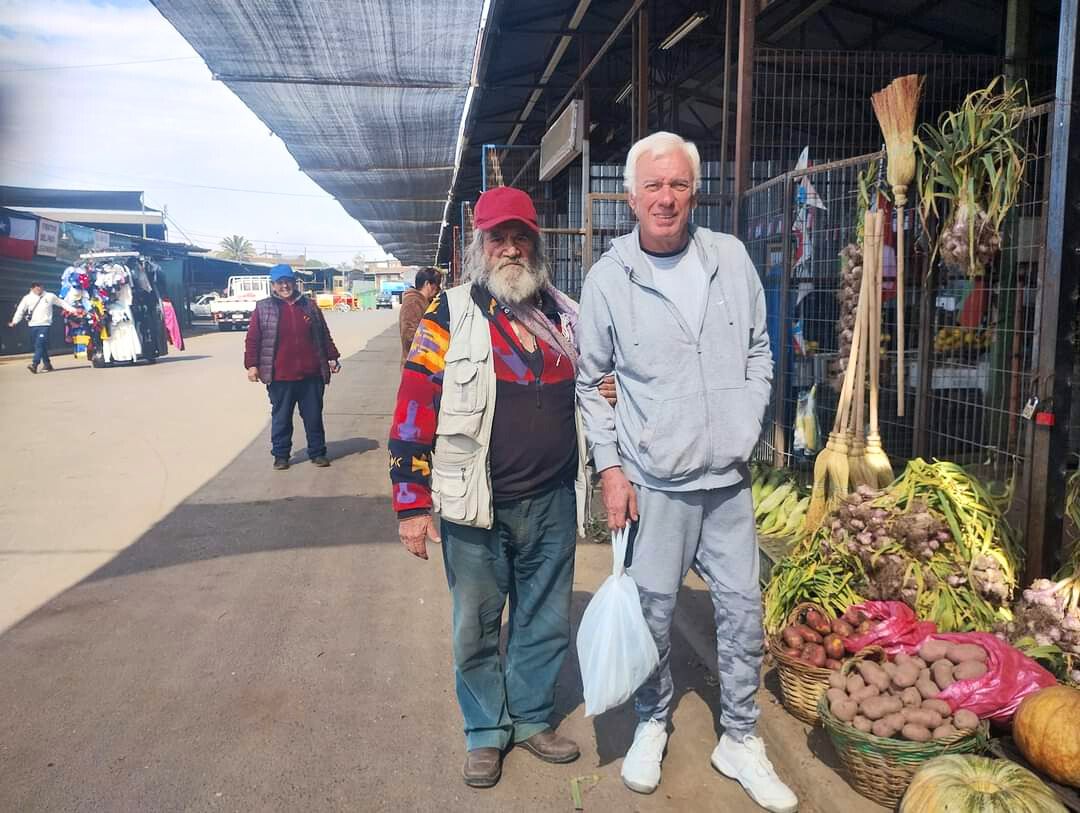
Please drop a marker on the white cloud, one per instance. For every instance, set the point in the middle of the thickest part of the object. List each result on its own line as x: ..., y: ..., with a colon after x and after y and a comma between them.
x: 165, y: 127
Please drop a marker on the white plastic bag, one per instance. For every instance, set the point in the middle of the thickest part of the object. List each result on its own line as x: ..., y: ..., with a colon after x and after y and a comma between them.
x: 615, y: 649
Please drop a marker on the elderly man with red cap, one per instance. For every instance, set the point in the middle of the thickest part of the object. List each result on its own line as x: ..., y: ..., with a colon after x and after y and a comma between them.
x: 490, y: 377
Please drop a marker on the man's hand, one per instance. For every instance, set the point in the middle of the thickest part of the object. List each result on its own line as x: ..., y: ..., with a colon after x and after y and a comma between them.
x: 253, y: 375
x: 11, y: 324
x: 620, y: 500
x: 414, y: 533
x: 607, y: 389
x: 335, y: 366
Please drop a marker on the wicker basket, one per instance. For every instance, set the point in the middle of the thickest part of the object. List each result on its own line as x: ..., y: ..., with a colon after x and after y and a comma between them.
x: 881, y: 768
x: 801, y: 684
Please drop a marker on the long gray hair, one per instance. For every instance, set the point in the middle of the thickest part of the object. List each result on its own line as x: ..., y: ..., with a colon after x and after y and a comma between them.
x: 474, y: 267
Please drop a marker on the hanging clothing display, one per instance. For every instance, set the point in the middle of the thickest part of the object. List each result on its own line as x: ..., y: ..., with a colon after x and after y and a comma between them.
x: 172, y: 325
x: 123, y: 317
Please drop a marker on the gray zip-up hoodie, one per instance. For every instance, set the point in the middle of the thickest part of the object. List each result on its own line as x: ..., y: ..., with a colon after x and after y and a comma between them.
x: 690, y: 402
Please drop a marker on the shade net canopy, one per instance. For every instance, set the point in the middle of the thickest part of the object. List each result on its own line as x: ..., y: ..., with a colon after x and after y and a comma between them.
x: 367, y: 95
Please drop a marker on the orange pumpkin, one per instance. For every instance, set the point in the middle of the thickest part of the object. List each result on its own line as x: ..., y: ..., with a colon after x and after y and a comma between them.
x: 1047, y: 731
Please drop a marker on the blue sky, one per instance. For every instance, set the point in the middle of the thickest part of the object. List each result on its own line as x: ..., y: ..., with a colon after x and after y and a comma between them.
x: 71, y: 117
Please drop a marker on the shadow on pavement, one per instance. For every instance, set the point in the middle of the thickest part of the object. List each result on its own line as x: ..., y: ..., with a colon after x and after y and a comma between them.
x: 195, y: 532
x: 171, y: 359
x: 337, y: 449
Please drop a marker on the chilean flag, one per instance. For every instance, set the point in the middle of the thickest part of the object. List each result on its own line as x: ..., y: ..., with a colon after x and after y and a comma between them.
x: 17, y: 237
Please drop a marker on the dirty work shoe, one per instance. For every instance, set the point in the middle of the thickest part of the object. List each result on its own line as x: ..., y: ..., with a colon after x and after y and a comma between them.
x: 32, y: 368
x: 552, y: 747
x: 641, y: 766
x: 483, y: 767
x: 746, y: 763
x: 281, y: 463
x: 320, y: 461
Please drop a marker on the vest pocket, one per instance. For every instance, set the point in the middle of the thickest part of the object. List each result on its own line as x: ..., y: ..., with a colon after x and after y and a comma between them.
x: 453, y: 485
x: 461, y: 391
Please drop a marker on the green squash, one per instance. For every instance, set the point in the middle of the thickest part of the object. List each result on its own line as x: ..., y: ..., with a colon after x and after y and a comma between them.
x: 969, y: 784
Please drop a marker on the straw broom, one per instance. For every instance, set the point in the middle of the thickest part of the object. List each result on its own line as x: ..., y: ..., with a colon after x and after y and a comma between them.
x: 876, y: 459
x: 831, y: 474
x: 895, y: 108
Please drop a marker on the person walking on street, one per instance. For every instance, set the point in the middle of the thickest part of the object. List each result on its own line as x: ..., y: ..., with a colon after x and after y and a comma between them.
x: 414, y: 302
x: 37, y: 309
x: 490, y: 375
x: 679, y: 313
x: 289, y: 349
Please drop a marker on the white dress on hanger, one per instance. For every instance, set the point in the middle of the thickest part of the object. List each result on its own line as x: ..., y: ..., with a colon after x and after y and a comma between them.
x: 123, y: 343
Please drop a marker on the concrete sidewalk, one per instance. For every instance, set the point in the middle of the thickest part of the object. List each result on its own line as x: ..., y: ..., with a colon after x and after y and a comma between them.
x: 268, y: 645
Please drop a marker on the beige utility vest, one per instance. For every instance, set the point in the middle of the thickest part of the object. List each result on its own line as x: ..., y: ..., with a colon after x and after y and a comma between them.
x: 460, y: 468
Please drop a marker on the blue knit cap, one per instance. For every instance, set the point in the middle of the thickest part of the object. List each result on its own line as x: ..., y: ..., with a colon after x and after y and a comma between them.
x: 282, y: 271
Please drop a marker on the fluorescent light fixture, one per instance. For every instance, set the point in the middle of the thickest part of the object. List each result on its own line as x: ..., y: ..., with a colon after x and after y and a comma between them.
x: 624, y: 93
x: 675, y: 37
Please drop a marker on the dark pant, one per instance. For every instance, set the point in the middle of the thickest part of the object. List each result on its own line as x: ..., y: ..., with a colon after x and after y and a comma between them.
x: 284, y: 396
x: 39, y: 336
x: 528, y: 556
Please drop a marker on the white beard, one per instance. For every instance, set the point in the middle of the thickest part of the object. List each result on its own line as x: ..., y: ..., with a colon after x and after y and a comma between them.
x: 513, y: 284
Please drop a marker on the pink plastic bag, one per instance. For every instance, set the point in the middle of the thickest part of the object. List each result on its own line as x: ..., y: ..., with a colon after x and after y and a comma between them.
x: 1010, y: 677
x: 898, y: 629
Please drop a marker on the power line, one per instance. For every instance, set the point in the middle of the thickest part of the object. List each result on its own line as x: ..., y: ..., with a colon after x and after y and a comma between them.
x: 96, y: 65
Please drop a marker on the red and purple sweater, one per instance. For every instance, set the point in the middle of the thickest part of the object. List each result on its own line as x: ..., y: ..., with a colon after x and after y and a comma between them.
x: 533, y: 437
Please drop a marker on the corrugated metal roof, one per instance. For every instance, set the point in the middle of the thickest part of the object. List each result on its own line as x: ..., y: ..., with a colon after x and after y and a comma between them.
x: 367, y: 95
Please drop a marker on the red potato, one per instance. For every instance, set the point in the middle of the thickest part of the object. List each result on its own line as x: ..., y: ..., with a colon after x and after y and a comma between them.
x: 813, y: 654
x: 833, y: 663
x: 808, y: 635
x: 843, y: 628
x: 817, y: 622
x: 853, y: 616
x: 791, y: 637
x: 864, y: 627
x: 834, y: 646
x: 792, y: 652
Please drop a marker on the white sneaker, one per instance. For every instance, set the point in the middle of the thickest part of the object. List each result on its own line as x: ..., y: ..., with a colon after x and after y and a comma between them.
x: 746, y: 763
x: 641, y: 766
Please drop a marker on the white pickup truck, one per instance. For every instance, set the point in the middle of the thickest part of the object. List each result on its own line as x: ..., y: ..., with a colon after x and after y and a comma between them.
x: 233, y: 311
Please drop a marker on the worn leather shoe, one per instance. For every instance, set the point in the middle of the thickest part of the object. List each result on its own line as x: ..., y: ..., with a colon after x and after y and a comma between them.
x: 320, y: 461
x: 281, y: 463
x: 552, y: 747
x: 483, y: 767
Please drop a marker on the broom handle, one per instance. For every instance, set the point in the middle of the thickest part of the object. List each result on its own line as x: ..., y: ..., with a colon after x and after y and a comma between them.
x: 842, y: 407
x: 875, y: 318
x: 899, y: 310
x: 860, y: 374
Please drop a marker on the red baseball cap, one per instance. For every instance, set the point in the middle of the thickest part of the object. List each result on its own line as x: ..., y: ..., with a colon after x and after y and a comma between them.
x: 502, y: 204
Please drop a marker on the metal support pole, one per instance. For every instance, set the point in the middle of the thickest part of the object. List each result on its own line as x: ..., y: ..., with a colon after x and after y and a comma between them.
x: 641, y: 74
x: 1057, y: 290
x: 725, y: 120
x: 781, y: 367
x: 586, y: 163
x: 919, y: 444
x: 743, y: 111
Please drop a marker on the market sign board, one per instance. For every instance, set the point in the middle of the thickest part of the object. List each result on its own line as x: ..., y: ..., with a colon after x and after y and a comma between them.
x: 48, y: 237
x: 74, y: 240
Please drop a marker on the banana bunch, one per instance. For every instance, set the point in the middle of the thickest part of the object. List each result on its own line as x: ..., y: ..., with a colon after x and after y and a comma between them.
x: 779, y: 503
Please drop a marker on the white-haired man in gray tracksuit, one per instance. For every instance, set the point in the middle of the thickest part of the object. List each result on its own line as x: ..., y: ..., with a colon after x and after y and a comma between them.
x: 678, y: 313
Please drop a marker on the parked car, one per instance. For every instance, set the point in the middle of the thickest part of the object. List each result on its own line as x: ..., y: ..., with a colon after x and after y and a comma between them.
x: 385, y: 299
x: 200, y: 306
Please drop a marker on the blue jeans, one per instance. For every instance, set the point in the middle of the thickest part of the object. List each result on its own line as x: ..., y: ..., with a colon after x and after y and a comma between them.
x: 528, y: 556
x: 39, y: 336
x: 284, y: 397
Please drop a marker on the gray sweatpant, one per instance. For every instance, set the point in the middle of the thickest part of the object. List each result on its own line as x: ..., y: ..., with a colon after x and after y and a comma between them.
x: 713, y: 532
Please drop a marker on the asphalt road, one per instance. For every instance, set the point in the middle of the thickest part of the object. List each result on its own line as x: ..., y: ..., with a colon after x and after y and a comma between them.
x: 263, y: 642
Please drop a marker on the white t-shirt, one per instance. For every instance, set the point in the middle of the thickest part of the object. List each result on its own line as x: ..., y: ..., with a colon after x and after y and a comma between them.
x: 681, y: 278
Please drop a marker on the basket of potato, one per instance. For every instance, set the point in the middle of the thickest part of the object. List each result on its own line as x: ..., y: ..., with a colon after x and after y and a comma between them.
x: 810, y: 647
x: 885, y: 720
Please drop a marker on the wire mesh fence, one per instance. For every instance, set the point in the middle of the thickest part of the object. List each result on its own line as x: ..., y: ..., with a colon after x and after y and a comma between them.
x: 969, y: 342
x: 818, y: 99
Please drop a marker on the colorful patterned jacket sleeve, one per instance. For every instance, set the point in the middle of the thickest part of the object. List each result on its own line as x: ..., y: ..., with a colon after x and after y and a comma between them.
x: 412, y: 433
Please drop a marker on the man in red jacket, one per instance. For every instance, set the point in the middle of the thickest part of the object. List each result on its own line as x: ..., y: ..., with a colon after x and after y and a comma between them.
x: 289, y: 349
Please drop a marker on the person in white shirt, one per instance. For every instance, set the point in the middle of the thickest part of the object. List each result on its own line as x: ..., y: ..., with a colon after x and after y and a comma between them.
x: 37, y: 309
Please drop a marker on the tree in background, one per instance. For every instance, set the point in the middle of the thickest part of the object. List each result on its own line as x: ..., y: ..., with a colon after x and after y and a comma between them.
x: 237, y: 247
